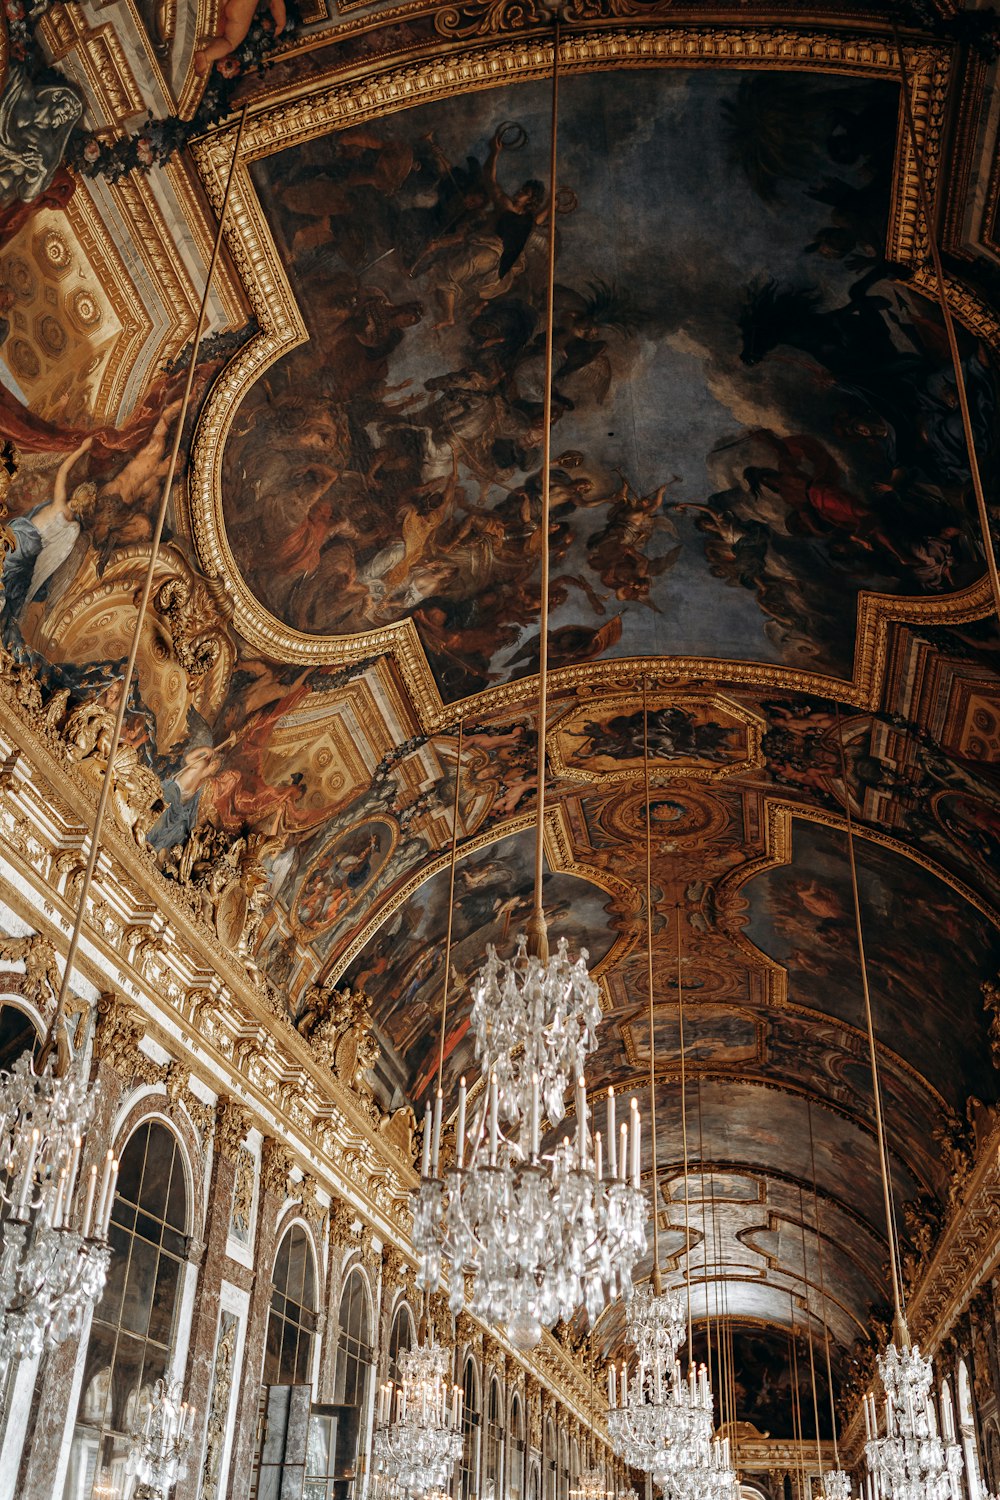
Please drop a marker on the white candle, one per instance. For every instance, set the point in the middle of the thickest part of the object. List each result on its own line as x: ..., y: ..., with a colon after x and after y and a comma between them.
x: 536, y: 1117
x: 460, y: 1131
x: 611, y: 1387
x: 436, y: 1147
x: 598, y: 1158
x: 112, y: 1184
x: 88, y: 1206
x: 494, y: 1129
x: 105, y: 1179
x: 581, y: 1124
x: 425, y: 1160
x: 635, y: 1144
x: 57, y: 1211
x: 29, y: 1173
x: 73, y: 1165
x: 623, y: 1153
x: 612, y: 1136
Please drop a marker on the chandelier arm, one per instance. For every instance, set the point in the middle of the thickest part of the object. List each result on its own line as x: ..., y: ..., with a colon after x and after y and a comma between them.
x: 809, y: 1336
x: 55, y: 1036
x: 684, y: 1142
x: 451, y: 906
x: 883, y: 1153
x: 656, y: 1278
x: 924, y: 199
x: 822, y: 1287
x: 538, y: 933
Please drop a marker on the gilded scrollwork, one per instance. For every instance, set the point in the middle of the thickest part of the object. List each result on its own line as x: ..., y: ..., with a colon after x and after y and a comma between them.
x: 275, y: 1168
x: 41, y: 971
x: 232, y: 1123
x: 117, y: 1036
x: 194, y: 619
x: 218, y: 1412
x: 991, y: 1005
x: 338, y: 1025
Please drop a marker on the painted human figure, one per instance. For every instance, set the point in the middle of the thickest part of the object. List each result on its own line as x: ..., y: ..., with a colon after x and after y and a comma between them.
x: 45, y: 537
x: 234, y: 23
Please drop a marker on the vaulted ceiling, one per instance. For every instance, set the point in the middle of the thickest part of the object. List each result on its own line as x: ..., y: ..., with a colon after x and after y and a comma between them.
x: 762, y: 514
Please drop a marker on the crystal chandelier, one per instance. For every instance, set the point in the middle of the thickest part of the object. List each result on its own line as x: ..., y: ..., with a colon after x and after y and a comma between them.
x: 909, y: 1461
x: 836, y: 1485
x: 591, y: 1484
x: 53, y: 1224
x: 160, y: 1446
x: 701, y: 1469
x: 539, y: 1235
x: 418, y: 1425
x: 640, y: 1415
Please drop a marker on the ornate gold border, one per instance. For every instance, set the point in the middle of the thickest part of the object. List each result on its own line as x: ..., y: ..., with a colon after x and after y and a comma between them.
x: 660, y: 771
x: 294, y: 117
x: 310, y: 934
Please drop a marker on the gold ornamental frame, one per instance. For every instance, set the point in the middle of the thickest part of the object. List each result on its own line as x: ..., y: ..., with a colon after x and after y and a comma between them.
x: 298, y: 115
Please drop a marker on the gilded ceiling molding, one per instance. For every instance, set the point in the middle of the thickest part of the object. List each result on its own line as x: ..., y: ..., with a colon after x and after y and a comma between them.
x: 328, y: 105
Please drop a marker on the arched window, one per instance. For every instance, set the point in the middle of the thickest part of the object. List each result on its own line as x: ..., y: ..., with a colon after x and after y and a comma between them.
x: 17, y: 1033
x: 471, y: 1419
x: 549, y: 1459
x: 948, y: 1429
x: 515, y: 1450
x: 967, y: 1431
x: 574, y: 1468
x: 133, y: 1328
x: 351, y: 1376
x: 493, y: 1456
x: 292, y: 1321
x: 563, y: 1478
x: 400, y: 1337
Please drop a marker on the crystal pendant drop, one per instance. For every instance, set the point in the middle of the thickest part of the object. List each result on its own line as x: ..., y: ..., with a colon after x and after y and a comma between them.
x: 53, y: 1225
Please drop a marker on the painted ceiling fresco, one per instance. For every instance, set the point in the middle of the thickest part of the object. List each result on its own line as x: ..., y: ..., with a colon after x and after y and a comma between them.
x: 749, y: 430
x: 761, y: 497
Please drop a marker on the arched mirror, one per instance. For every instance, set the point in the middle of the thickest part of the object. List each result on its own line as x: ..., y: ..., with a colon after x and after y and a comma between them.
x: 401, y: 1336
x: 549, y: 1459
x: 515, y: 1450
x: 291, y: 1324
x: 967, y: 1434
x: 471, y: 1420
x: 493, y: 1447
x: 351, y: 1380
x: 135, y: 1323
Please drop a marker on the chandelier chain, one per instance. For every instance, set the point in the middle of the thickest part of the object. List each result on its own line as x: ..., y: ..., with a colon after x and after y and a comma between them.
x: 538, y: 932
x: 883, y: 1153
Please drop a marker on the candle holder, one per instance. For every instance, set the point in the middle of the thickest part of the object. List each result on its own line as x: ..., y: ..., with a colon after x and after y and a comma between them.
x: 161, y: 1440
